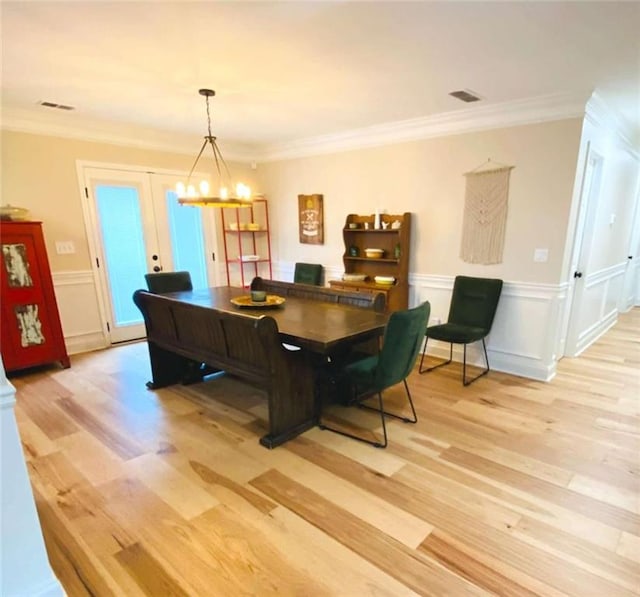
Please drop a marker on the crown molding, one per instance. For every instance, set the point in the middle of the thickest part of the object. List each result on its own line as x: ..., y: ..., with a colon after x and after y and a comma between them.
x: 466, y: 120
x: 67, y: 125
x: 600, y: 113
x: 515, y: 113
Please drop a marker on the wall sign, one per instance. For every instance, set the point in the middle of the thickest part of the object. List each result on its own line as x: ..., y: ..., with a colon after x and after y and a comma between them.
x: 311, y: 219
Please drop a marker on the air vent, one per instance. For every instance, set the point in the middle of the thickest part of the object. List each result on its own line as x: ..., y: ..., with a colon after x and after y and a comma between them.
x: 466, y: 95
x: 54, y: 105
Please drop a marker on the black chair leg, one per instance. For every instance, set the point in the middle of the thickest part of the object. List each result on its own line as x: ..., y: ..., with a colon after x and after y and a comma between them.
x: 402, y: 418
x: 464, y: 365
x: 442, y: 364
x: 374, y: 443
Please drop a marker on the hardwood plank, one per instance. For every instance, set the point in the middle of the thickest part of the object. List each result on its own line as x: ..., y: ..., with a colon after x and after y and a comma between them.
x: 508, y: 486
x: 611, y: 515
x: 150, y: 575
x: 419, y: 573
x: 113, y: 440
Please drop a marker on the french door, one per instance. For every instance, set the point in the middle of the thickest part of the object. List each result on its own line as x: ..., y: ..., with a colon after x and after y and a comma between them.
x: 137, y: 226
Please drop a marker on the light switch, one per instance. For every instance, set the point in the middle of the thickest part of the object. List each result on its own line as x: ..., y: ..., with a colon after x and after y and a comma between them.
x: 541, y: 255
x: 65, y: 247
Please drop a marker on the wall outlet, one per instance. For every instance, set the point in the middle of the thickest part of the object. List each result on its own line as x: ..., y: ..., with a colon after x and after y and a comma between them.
x: 541, y: 255
x: 65, y: 247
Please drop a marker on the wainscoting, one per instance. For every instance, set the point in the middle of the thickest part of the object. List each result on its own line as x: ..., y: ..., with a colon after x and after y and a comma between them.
x: 79, y: 312
x: 524, y: 340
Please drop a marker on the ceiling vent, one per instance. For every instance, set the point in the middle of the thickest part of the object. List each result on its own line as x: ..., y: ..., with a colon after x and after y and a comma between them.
x: 54, y: 105
x: 466, y: 95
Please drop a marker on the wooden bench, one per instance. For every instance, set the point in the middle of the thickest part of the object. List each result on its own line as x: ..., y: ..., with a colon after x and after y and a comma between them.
x: 365, y: 300
x: 180, y: 336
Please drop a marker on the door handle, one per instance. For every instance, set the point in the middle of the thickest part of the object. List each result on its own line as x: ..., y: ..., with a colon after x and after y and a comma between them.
x: 577, y: 274
x: 157, y: 268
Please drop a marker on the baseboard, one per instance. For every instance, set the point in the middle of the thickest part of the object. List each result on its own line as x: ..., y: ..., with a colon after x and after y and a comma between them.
x: 86, y: 342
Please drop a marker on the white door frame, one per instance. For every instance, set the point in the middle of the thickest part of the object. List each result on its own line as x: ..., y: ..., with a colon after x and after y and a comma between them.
x: 588, y: 204
x: 90, y: 223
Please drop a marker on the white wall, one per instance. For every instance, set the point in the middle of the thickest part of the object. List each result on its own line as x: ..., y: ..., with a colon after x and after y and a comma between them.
x: 608, y: 277
x: 24, y: 567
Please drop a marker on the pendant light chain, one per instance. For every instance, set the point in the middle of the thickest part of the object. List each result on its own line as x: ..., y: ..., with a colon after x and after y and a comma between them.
x: 208, y: 117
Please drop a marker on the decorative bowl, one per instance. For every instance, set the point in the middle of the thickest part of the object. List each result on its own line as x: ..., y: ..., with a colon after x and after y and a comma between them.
x: 354, y: 277
x: 385, y: 280
x: 374, y: 253
x: 13, y: 213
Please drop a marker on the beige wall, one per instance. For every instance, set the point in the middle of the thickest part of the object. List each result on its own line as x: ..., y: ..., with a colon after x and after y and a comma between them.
x: 426, y: 178
x: 422, y: 177
x: 39, y: 173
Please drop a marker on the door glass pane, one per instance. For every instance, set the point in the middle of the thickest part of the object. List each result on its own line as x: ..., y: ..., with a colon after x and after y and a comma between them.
x: 187, y: 240
x: 121, y: 228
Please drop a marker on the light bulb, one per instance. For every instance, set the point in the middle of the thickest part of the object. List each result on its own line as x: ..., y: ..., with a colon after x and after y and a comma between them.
x: 191, y: 191
x: 180, y: 190
x: 224, y: 194
x: 204, y: 188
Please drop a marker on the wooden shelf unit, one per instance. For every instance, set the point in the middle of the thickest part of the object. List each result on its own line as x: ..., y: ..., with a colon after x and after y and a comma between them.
x: 241, y: 241
x: 395, y: 261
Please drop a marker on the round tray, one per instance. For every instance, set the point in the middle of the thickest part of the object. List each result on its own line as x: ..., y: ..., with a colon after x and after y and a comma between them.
x: 245, y: 302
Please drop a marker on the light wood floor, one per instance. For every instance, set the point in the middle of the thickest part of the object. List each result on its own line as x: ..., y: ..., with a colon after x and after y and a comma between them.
x: 508, y: 486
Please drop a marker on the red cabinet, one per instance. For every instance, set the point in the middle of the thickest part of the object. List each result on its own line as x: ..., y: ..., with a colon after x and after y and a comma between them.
x: 30, y: 330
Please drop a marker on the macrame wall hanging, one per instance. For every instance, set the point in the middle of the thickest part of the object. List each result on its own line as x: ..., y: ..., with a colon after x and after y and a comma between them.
x: 485, y: 213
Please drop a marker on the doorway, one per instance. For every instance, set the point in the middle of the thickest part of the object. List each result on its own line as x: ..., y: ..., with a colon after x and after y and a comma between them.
x: 136, y: 226
x: 576, y: 324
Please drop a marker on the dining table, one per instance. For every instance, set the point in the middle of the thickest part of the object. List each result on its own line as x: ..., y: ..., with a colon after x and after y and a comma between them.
x: 323, y: 328
x: 292, y: 347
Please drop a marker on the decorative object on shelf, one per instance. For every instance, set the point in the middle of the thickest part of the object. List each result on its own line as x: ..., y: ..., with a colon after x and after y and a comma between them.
x: 311, y: 219
x: 384, y: 280
x: 228, y: 195
x: 13, y: 213
x: 485, y: 213
x: 376, y: 219
x: 395, y: 224
x: 246, y: 302
x: 374, y: 253
x: 354, y: 277
x: 397, y: 251
x: 354, y: 251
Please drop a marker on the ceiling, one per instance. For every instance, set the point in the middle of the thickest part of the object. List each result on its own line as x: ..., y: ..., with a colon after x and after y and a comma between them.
x: 285, y: 71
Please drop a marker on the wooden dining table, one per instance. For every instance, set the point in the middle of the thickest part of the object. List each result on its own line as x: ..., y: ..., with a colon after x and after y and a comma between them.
x: 320, y: 327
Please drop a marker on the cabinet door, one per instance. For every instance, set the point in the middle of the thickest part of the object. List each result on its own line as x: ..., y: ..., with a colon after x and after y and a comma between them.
x: 29, y: 335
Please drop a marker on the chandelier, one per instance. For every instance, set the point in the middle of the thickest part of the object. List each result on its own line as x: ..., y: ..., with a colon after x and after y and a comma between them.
x: 228, y: 195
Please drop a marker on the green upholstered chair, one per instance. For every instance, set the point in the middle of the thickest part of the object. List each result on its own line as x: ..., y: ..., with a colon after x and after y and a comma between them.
x: 370, y: 375
x: 473, y: 306
x: 168, y: 282
x: 308, y: 273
